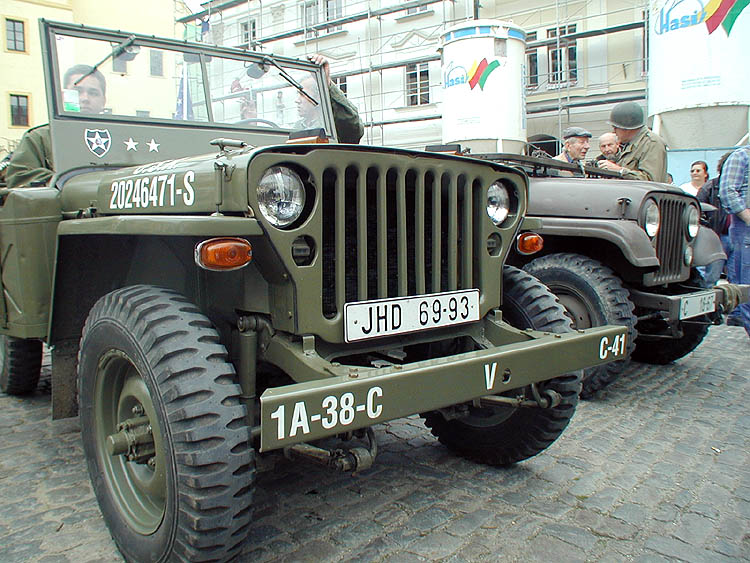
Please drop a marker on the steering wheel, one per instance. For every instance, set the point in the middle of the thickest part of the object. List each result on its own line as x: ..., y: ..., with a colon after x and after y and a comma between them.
x: 257, y: 121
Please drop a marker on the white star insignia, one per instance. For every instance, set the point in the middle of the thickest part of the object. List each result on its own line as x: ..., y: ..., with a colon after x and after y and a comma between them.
x: 153, y: 146
x: 131, y: 144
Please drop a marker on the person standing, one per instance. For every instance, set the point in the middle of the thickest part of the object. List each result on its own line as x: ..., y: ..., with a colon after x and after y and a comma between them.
x: 642, y: 154
x: 735, y: 197
x: 718, y: 221
x: 576, y: 145
x: 698, y: 177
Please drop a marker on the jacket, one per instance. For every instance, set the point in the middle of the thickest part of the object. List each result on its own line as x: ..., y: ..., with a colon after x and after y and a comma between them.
x: 644, y: 158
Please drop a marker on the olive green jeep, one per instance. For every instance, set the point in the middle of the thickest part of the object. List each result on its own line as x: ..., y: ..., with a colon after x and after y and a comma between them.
x: 216, y: 284
x: 623, y: 252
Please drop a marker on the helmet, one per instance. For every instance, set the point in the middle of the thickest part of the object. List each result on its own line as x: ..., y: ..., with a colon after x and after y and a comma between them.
x: 575, y: 132
x: 626, y: 115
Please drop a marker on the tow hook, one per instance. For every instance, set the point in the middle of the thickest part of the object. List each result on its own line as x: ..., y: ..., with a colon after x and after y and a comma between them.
x: 343, y: 460
x: 547, y: 399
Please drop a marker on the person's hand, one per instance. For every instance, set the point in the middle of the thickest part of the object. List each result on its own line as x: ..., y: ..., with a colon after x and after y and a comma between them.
x: 609, y: 165
x: 745, y: 216
x: 319, y: 59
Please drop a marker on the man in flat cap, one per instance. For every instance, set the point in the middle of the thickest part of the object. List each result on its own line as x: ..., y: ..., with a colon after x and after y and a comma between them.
x: 576, y: 145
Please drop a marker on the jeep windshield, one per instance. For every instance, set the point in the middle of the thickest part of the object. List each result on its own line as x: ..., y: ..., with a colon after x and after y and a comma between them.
x: 160, y: 82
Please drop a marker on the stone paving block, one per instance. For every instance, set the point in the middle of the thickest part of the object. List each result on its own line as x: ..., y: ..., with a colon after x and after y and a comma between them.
x: 695, y: 529
x: 467, y: 523
x: 676, y: 549
x: 436, y: 545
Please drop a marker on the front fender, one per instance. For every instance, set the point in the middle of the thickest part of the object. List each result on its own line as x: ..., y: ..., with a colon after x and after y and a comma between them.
x: 628, y: 236
x: 707, y: 248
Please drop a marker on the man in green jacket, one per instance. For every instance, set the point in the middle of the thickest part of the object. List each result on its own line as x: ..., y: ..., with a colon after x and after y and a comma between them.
x: 642, y: 154
x: 32, y: 159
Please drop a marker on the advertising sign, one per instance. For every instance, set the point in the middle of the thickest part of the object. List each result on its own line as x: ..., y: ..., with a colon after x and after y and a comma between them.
x: 698, y: 54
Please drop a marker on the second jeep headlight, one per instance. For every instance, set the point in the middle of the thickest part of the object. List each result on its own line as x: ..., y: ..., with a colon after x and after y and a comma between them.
x: 693, y: 222
x: 498, y: 202
x: 651, y: 218
x: 281, y: 196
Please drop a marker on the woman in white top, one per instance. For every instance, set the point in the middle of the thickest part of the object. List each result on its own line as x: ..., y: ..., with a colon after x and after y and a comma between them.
x: 698, y: 177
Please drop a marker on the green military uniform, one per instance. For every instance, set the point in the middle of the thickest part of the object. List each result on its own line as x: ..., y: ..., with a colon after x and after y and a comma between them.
x: 349, y: 127
x: 644, y: 158
x: 32, y: 159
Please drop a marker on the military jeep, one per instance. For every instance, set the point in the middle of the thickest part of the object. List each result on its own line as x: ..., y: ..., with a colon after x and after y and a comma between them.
x: 623, y: 252
x: 216, y: 285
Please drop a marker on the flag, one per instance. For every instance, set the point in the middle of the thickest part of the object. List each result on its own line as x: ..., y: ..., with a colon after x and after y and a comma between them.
x: 184, y: 108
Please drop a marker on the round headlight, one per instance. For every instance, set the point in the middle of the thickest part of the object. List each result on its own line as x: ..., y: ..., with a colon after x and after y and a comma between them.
x: 693, y: 222
x: 651, y: 218
x: 498, y: 202
x: 281, y: 196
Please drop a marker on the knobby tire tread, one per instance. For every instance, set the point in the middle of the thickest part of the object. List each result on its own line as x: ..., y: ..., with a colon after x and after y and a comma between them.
x: 22, y: 365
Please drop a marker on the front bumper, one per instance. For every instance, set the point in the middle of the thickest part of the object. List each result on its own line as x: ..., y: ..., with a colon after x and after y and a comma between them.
x: 361, y: 397
x: 723, y: 298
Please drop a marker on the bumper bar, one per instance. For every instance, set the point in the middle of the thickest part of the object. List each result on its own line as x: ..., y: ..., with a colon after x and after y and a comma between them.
x: 723, y: 297
x: 325, y: 407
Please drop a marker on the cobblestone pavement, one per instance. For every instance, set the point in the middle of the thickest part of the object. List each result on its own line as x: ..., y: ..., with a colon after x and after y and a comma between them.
x: 655, y: 469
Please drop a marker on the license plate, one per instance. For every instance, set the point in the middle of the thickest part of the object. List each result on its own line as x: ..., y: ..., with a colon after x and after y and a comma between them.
x: 388, y: 317
x: 697, y: 304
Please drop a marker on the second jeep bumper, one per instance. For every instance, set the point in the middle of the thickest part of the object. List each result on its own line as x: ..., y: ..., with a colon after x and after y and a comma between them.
x: 684, y: 306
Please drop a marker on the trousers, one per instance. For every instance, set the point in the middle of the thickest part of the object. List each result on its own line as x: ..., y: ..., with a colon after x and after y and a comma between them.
x: 739, y: 236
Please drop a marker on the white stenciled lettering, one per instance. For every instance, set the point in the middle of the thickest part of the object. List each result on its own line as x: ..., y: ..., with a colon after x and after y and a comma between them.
x: 278, y: 416
x: 603, y: 343
x: 299, y: 420
x: 489, y: 374
x: 373, y: 410
x: 329, y: 404
x: 188, y: 195
x: 112, y: 203
x: 346, y: 415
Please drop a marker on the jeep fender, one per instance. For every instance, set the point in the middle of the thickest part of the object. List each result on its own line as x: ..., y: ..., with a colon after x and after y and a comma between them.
x: 628, y: 236
x: 707, y: 248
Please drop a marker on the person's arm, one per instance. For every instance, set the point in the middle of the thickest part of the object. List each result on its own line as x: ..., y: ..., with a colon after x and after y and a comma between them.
x: 32, y: 159
x: 733, y: 175
x: 349, y: 127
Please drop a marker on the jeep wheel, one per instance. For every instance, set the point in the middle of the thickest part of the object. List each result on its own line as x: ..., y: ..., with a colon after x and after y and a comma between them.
x: 164, y: 432
x: 593, y: 296
x: 21, y: 361
x: 500, y: 435
x: 655, y: 350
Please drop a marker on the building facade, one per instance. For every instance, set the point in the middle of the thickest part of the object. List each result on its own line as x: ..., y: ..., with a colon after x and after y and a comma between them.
x: 581, y: 56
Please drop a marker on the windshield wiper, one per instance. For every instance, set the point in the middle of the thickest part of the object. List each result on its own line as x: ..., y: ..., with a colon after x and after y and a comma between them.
x: 286, y: 76
x: 116, y: 52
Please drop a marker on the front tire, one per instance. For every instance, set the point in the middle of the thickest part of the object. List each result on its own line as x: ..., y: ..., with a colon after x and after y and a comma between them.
x: 21, y: 365
x: 593, y: 295
x: 505, y: 435
x: 164, y: 431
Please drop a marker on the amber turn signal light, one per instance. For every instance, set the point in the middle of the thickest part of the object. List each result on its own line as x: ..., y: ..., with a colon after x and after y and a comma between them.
x: 223, y: 254
x: 529, y: 243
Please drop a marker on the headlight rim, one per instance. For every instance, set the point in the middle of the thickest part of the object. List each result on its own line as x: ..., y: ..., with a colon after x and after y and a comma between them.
x: 692, y: 212
x: 648, y: 205
x: 272, y: 219
x: 509, y: 196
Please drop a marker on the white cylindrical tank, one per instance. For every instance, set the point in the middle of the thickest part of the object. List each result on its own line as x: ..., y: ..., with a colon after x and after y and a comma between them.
x: 484, y: 102
x: 698, y: 75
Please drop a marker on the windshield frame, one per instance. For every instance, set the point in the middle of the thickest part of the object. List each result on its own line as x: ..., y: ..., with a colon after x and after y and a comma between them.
x: 49, y: 30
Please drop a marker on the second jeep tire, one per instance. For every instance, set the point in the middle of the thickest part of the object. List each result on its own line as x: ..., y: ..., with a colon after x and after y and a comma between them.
x: 501, y: 435
x: 593, y: 295
x: 21, y: 362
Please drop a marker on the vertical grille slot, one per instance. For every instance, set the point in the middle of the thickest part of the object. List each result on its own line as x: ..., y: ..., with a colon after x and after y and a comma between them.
x: 669, y: 240
x: 394, y: 231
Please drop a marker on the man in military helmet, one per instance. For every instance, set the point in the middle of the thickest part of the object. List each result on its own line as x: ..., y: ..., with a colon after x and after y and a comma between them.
x: 642, y: 154
x: 576, y: 145
x: 32, y: 162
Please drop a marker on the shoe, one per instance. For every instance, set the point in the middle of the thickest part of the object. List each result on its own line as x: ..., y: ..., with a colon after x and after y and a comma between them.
x: 733, y: 321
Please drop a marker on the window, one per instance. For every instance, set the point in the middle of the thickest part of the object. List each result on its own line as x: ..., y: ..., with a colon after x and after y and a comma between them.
x: 157, y: 63
x: 563, y: 62
x: 248, y: 32
x: 532, y: 63
x: 340, y: 81
x: 120, y: 65
x: 14, y: 35
x: 417, y: 84
x: 19, y: 110
x: 416, y: 10
x: 319, y: 11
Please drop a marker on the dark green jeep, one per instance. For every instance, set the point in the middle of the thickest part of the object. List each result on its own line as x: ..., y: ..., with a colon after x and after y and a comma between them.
x: 215, y: 284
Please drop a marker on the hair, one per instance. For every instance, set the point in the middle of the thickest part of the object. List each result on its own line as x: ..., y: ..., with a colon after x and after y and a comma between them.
x: 722, y: 160
x: 703, y: 164
x: 84, y: 70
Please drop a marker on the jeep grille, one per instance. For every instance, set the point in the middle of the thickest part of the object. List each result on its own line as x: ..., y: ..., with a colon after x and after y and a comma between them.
x: 395, y: 231
x: 670, y: 240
